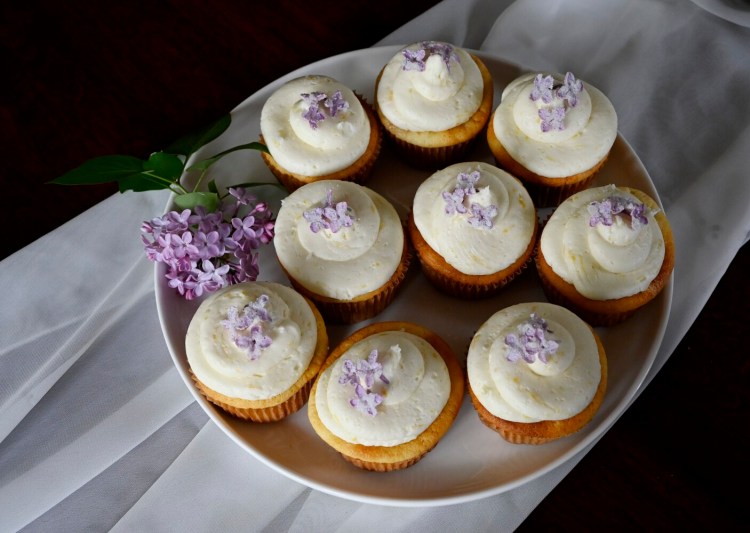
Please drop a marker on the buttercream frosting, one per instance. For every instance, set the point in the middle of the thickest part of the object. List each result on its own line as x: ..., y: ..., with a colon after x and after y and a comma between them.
x: 223, y: 365
x: 589, y: 129
x: 602, y: 262
x: 322, y: 146
x: 519, y: 391
x: 446, y: 93
x: 417, y: 389
x: 349, y: 262
x: 470, y: 248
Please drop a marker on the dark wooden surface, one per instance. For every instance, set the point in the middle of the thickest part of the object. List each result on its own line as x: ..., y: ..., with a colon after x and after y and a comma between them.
x: 85, y: 79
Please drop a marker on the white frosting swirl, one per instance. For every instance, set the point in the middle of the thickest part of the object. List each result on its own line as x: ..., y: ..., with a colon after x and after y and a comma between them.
x: 418, y: 389
x: 350, y: 262
x: 469, y: 249
x: 438, y: 98
x: 522, y: 392
x: 336, y: 142
x: 602, y: 262
x: 589, y: 133
x: 220, y: 364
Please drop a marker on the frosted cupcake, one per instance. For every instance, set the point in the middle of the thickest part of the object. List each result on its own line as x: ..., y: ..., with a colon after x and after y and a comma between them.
x: 553, y: 132
x: 254, y: 349
x: 474, y: 229
x: 316, y: 128
x: 536, y: 373
x: 386, y: 395
x: 343, y: 246
x: 433, y: 100
x: 606, y: 252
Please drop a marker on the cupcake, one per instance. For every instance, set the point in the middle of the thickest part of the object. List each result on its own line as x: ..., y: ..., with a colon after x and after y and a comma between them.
x: 433, y: 100
x: 473, y: 227
x: 254, y: 349
x: 343, y: 246
x: 552, y: 132
x: 316, y: 128
x: 536, y: 373
x: 386, y: 395
x: 605, y: 252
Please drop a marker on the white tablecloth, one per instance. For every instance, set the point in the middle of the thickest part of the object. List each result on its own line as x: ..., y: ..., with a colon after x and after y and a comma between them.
x: 97, y: 430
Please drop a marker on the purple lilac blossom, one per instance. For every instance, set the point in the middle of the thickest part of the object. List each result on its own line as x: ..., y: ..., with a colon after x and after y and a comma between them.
x: 204, y: 251
x: 570, y: 89
x: 604, y: 212
x: 336, y: 103
x: 531, y: 341
x: 331, y: 104
x: 469, y: 181
x: 481, y: 216
x: 542, y: 89
x: 246, y: 328
x: 332, y: 216
x: 362, y: 375
x: 415, y: 59
x: 553, y: 118
x: 454, y: 201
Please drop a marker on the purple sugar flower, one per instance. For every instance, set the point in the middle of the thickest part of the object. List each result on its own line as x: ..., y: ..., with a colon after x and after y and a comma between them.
x: 570, y: 89
x: 414, y: 59
x: 553, y: 118
x: 454, y: 201
x: 246, y: 327
x: 365, y: 400
x: 444, y: 50
x: 542, y: 89
x: 469, y: 181
x: 332, y: 216
x: 362, y: 375
x: 481, y: 216
x: 604, y: 212
x: 336, y: 103
x: 531, y: 341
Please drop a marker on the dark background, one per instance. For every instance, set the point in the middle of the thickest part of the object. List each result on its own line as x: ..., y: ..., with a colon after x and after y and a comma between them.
x: 84, y: 79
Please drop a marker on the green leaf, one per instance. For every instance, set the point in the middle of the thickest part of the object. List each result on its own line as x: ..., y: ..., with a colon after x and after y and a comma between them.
x: 142, y: 182
x: 191, y: 143
x: 102, y: 169
x: 165, y: 165
x: 203, y: 164
x: 209, y: 200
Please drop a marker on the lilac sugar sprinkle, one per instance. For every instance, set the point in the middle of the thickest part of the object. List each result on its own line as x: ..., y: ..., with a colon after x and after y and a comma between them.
x: 468, y: 182
x: 335, y: 103
x: 454, y: 201
x: 414, y: 59
x: 531, y: 341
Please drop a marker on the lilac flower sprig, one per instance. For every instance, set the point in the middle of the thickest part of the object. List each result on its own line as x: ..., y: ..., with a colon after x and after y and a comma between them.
x: 362, y: 375
x: 455, y: 201
x: 564, y: 96
x: 531, y: 342
x: 332, y: 216
x: 604, y: 212
x: 206, y: 250
x: 331, y: 106
x: 416, y: 59
x: 247, y: 328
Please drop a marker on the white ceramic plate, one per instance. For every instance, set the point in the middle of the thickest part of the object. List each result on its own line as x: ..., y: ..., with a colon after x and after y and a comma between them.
x: 737, y: 11
x: 471, y: 461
